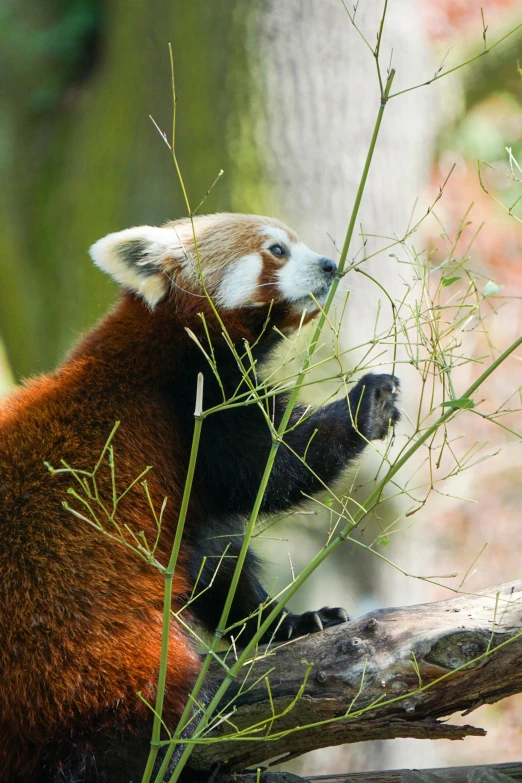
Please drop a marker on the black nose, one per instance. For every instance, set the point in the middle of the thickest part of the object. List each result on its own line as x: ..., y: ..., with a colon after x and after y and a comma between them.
x: 327, y: 265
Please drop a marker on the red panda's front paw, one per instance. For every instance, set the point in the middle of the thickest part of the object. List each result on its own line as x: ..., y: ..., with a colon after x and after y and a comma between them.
x: 372, y: 405
x: 294, y: 625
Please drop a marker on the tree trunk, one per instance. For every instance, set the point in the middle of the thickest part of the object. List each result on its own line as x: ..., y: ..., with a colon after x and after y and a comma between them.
x: 309, y: 105
x: 493, y: 773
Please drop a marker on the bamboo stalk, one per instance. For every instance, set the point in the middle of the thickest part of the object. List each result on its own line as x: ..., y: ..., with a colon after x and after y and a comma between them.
x: 168, y: 576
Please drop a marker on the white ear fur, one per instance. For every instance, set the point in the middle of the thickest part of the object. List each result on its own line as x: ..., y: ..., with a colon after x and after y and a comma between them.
x: 137, y: 259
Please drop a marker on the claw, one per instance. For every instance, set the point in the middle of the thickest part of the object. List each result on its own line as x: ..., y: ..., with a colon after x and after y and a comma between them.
x: 295, y: 625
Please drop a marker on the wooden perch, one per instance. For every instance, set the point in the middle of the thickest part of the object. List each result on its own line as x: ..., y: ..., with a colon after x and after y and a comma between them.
x: 406, y: 667
x: 493, y: 773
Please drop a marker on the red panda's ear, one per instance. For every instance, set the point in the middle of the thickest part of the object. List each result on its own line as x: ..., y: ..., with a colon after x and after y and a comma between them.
x: 138, y: 259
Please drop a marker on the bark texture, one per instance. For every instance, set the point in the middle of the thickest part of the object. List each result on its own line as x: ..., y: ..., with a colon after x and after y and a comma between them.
x: 406, y: 667
x: 494, y: 773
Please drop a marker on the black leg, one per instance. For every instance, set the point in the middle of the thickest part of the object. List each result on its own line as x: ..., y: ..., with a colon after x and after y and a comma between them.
x: 245, y: 615
x: 315, y: 449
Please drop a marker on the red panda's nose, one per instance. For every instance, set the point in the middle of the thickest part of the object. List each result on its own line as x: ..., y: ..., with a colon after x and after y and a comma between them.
x: 327, y: 265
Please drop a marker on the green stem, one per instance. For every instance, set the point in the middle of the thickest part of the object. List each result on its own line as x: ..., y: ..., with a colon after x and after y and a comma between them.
x: 266, y: 476
x: 169, y: 576
x: 461, y: 65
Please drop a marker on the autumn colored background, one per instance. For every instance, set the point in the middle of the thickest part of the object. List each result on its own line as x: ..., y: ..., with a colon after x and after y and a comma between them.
x: 487, y: 121
x: 79, y: 158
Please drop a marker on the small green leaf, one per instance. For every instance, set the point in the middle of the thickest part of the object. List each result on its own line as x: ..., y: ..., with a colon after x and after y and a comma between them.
x: 462, y: 402
x: 446, y: 281
x: 491, y: 288
x: 383, y: 541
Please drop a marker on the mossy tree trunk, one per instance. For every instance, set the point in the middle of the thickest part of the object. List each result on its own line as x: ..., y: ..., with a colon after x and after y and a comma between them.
x: 311, y: 110
x: 81, y: 157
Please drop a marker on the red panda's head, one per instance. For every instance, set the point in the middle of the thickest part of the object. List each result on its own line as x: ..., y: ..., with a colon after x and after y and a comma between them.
x: 246, y: 261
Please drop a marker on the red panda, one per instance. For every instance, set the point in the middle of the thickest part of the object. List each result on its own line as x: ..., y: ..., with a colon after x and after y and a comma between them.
x: 81, y: 615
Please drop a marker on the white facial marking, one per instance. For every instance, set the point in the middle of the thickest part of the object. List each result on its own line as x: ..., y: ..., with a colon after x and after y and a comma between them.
x: 275, y: 235
x: 302, y: 275
x: 240, y: 282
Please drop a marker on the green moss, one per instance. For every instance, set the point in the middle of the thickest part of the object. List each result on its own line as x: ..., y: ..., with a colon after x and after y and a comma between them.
x: 83, y: 158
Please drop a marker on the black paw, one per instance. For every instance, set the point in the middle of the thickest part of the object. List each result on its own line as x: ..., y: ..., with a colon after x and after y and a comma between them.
x: 372, y: 405
x: 294, y: 625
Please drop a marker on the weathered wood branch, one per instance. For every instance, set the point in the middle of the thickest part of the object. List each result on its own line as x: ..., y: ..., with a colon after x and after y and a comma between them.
x: 392, y: 673
x: 493, y: 773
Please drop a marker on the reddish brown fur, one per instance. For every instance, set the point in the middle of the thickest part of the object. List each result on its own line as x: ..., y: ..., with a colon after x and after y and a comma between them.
x: 82, y: 632
x: 63, y: 652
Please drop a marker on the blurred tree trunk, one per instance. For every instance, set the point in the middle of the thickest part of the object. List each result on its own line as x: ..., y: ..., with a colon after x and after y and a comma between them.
x: 310, y: 102
x: 80, y: 156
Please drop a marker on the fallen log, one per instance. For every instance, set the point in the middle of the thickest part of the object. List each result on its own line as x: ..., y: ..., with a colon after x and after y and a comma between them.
x: 493, y: 773
x: 392, y: 673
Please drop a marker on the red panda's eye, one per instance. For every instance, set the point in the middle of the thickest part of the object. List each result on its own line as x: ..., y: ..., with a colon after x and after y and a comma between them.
x: 278, y: 251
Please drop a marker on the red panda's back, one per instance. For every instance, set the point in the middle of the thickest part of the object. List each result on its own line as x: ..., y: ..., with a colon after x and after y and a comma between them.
x: 80, y: 615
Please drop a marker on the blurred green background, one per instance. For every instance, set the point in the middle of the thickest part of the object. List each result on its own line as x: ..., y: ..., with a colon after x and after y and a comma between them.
x: 79, y: 156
